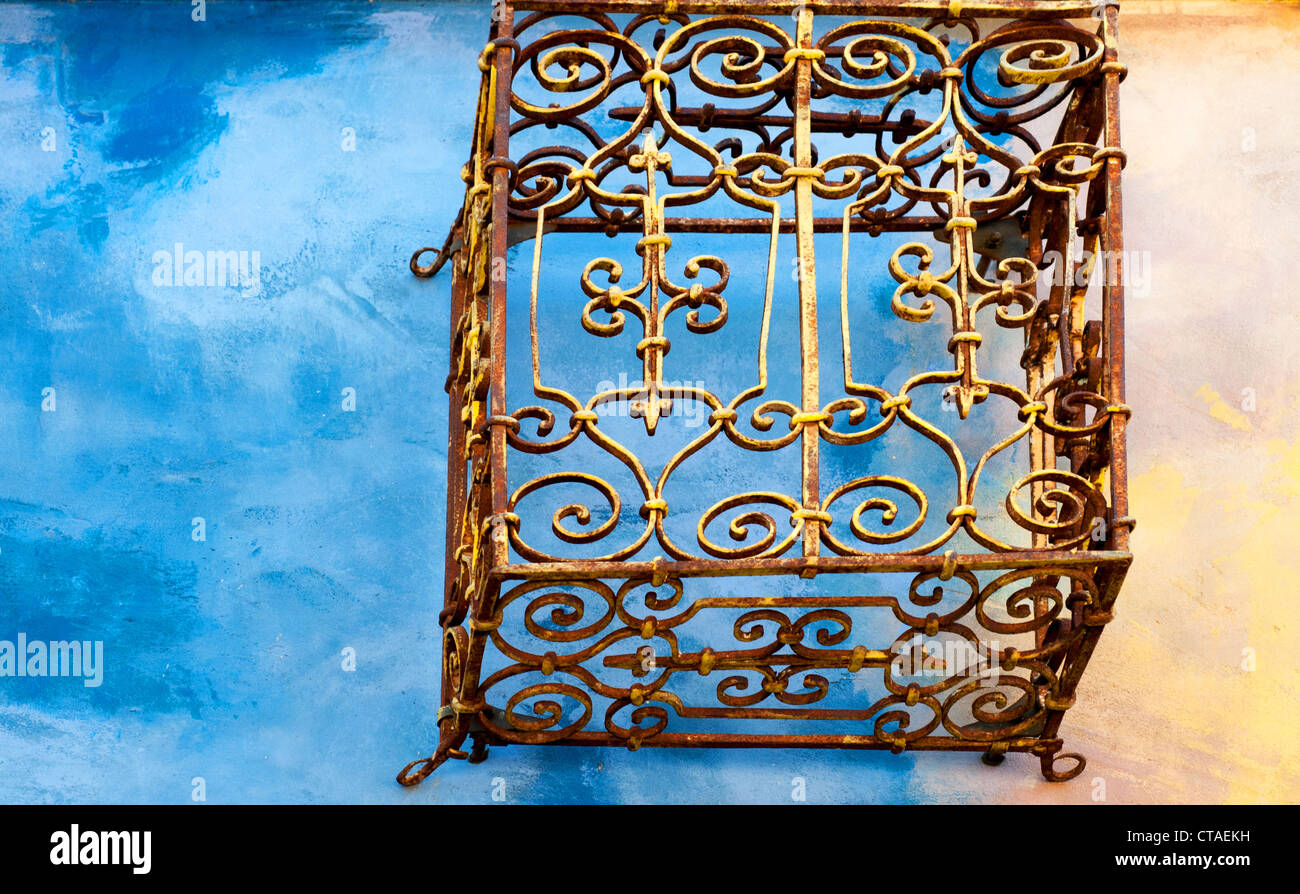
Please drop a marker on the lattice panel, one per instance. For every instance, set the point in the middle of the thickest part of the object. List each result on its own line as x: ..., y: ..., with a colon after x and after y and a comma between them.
x: 787, y: 395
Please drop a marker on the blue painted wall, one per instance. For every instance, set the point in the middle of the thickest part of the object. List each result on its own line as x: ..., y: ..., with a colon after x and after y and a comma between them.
x: 323, y: 528
x: 132, y: 128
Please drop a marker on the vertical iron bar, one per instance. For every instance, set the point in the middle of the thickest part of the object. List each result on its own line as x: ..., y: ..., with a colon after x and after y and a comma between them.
x: 503, y: 61
x: 1114, y: 285
x: 1108, y: 580
x: 810, y: 401
x: 497, y: 551
x: 456, y: 481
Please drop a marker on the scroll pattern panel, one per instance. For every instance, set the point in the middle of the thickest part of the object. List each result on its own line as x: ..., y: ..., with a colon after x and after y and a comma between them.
x: 981, y: 157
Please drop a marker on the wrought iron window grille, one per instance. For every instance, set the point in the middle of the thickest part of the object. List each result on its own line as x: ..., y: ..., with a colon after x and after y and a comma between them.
x: 684, y: 173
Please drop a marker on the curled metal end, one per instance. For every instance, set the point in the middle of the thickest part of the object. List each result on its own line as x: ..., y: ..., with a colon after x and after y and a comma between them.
x: 451, y: 737
x: 425, y: 271
x: 1049, y: 759
x: 427, y: 765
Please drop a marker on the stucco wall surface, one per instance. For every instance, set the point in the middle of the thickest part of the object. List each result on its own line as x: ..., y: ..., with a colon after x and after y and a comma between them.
x: 328, y: 137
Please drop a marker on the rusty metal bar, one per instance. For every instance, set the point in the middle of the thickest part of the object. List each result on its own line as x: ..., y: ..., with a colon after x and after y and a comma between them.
x: 810, y: 406
x: 739, y: 225
x: 1114, y: 284
x: 1028, y: 9
x: 884, y: 564
x: 501, y: 62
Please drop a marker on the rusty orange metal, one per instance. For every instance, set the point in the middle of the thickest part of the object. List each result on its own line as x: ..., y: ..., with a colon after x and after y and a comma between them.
x: 986, y: 132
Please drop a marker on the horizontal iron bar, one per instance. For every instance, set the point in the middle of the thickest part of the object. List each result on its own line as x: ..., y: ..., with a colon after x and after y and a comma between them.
x: 760, y: 740
x: 1016, y: 8
x: 882, y: 564
x: 820, y: 122
x: 726, y: 226
x: 738, y: 660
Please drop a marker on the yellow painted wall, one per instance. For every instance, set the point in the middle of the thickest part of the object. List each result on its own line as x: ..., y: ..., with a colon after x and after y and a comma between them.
x: 1167, y: 711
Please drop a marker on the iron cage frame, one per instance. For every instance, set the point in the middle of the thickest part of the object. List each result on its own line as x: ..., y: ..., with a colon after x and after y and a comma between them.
x: 1060, y: 587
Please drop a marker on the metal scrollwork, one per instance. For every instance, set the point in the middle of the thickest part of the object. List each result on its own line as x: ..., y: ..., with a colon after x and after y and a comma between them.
x: 978, y: 159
